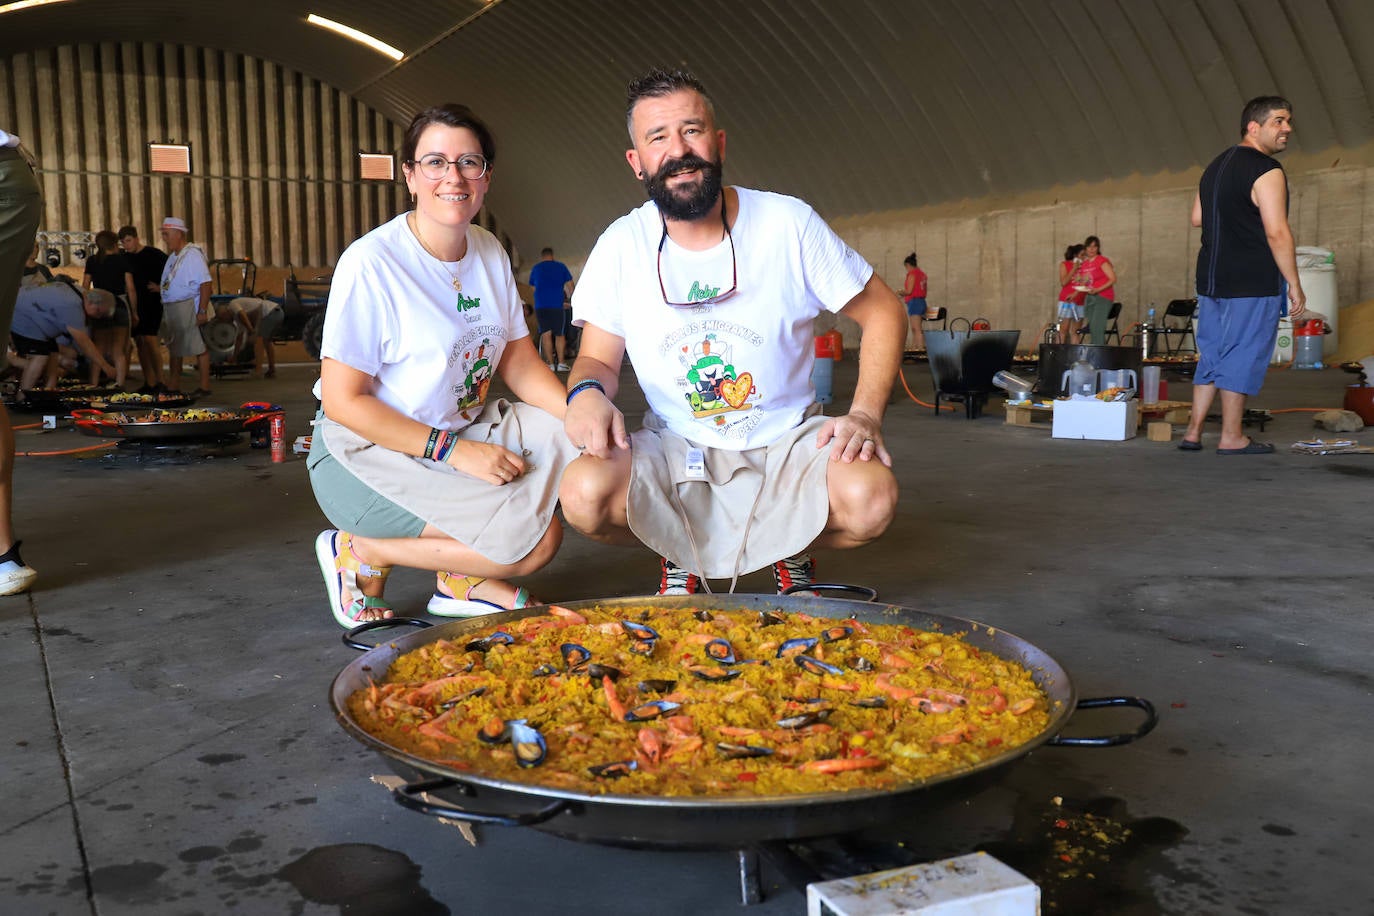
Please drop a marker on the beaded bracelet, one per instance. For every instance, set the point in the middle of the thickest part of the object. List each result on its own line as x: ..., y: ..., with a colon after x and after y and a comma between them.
x: 446, y: 442
x: 433, y: 440
x: 583, y: 386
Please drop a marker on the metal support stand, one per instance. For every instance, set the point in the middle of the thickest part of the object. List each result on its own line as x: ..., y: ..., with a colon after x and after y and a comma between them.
x: 780, y: 855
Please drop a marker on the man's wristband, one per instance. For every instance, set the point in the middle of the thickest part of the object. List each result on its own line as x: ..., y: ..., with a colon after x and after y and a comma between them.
x: 583, y: 386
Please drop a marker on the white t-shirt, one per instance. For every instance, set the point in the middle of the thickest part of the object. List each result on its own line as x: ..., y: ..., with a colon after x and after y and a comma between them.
x: 248, y: 305
x: 184, y: 274
x: 393, y: 314
x: 736, y: 374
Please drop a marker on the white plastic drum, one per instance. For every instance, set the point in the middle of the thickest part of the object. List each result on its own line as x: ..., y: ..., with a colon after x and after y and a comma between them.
x: 1317, y: 272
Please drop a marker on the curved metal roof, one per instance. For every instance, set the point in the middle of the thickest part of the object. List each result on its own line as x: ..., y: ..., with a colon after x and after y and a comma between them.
x: 855, y: 105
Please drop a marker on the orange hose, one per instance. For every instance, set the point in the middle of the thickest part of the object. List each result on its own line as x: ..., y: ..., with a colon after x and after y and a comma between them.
x: 69, y: 451
x: 901, y: 374
x: 29, y: 426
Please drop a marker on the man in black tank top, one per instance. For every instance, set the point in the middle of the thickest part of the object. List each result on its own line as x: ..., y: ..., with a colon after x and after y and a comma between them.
x: 1246, y: 269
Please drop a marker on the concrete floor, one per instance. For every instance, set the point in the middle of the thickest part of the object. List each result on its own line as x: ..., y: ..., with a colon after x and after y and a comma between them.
x: 168, y: 747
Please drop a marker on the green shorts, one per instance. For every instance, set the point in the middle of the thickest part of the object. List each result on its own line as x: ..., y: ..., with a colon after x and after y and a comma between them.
x: 351, y: 505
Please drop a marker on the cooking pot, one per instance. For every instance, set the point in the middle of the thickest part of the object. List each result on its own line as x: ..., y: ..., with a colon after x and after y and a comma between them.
x: 733, y: 822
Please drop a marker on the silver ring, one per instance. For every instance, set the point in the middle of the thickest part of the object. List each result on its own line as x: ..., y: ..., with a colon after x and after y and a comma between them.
x: 867, y: 439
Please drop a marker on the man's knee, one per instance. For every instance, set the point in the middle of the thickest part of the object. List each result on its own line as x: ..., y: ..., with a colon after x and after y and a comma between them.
x: 864, y: 500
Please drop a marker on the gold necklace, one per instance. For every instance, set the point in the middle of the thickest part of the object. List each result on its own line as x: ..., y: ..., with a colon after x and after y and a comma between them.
x: 457, y: 283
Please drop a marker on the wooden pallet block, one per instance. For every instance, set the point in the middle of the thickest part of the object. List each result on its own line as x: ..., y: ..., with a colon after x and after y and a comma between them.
x: 1177, y: 412
x: 1029, y: 415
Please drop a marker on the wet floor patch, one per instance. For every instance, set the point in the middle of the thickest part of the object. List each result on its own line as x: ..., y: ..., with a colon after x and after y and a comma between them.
x: 362, y: 880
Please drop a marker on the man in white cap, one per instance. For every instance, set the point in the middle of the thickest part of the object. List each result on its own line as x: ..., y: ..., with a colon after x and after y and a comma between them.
x: 185, y: 304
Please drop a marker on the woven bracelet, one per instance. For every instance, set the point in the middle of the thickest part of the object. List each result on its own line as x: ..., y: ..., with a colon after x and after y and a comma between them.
x: 446, y: 443
x: 583, y: 386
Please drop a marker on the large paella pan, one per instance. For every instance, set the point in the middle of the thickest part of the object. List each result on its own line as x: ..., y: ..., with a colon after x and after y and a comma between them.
x: 196, y: 422
x: 694, y: 820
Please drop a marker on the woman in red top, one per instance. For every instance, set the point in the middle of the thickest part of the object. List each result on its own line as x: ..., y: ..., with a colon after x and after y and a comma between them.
x: 914, y: 294
x: 1070, y: 312
x: 1099, y: 279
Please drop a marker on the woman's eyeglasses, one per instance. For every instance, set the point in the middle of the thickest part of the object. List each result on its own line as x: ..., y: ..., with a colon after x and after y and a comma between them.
x: 709, y: 300
x: 434, y: 167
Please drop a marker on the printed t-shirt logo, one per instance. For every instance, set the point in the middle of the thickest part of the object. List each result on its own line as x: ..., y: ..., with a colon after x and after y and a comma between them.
x: 700, y: 292
x: 465, y: 303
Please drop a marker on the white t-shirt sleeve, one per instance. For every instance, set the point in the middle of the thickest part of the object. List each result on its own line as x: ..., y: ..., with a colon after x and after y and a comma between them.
x: 835, y: 273
x: 359, y: 320
x: 197, y: 268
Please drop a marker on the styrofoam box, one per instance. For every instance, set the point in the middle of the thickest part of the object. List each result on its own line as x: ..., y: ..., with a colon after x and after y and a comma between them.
x: 971, y: 885
x: 1094, y: 419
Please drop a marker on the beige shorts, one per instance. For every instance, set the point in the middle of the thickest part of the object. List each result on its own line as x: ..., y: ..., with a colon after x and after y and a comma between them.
x: 501, y: 523
x: 753, y: 508
x: 179, y: 329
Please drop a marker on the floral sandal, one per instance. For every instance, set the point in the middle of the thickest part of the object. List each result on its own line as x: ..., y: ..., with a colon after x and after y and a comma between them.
x: 449, y: 586
x: 341, y: 569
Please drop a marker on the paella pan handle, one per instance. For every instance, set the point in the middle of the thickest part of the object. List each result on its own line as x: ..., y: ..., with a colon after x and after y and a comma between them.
x: 869, y: 594
x: 93, y: 419
x: 1151, y: 720
x: 408, y: 796
x: 352, y: 643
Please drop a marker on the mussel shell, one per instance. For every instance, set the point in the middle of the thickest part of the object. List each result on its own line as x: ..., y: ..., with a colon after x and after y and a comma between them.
x: 614, y: 770
x: 639, y: 630
x: 657, y: 686
x: 494, y: 731
x: 703, y: 615
x: 529, y: 746
x: 835, y: 634
x: 499, y: 638
x: 714, y: 674
x: 721, y: 651
x: 793, y: 646
x: 454, y: 701
x: 801, y: 720
x: 859, y: 663
x: 651, y: 710
x: 870, y: 702
x: 815, y: 665
x: 597, y: 671
x: 643, y: 647
x: 771, y: 618
x: 741, y: 751
x: 544, y: 671
x: 575, y: 656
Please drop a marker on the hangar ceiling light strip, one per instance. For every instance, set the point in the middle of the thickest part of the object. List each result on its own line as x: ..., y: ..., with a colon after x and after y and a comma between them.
x: 375, y: 44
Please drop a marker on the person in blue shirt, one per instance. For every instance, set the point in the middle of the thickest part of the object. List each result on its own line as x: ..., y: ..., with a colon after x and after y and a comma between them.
x: 552, y: 282
x: 52, y: 314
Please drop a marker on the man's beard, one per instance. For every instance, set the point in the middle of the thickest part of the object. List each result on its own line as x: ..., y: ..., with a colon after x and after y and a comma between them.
x: 687, y: 202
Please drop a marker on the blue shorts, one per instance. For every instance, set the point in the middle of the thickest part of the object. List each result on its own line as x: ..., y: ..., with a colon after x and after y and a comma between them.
x: 1069, y: 310
x: 915, y: 306
x: 1235, y: 340
x: 550, y: 320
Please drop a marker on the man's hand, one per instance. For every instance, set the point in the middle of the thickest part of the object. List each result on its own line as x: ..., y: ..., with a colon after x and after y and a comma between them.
x: 487, y: 461
x: 1297, y: 301
x: 202, y: 315
x: 854, y: 435
x: 595, y: 425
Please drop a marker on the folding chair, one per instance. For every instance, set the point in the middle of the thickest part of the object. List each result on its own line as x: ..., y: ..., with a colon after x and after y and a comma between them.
x: 1179, y: 309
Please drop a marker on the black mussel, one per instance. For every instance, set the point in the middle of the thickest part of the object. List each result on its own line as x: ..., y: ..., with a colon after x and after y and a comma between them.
x: 713, y: 674
x: 720, y: 650
x: 791, y: 647
x: 494, y: 732
x: 530, y: 749
x: 815, y: 665
x: 614, y: 770
x: 454, y: 701
x: 813, y: 702
x: 597, y: 671
x: 639, y: 630
x: 643, y: 647
x: 771, y: 618
x: 835, y: 634
x: 575, y: 657
x: 859, y: 663
x: 804, y: 719
x: 703, y: 615
x: 871, y: 702
x: 740, y: 751
x: 657, y: 686
x: 651, y: 710
x: 544, y: 671
x: 499, y: 638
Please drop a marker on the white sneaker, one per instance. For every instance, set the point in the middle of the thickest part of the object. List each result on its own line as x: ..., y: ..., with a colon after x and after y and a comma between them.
x: 15, y: 577
x: 563, y: 367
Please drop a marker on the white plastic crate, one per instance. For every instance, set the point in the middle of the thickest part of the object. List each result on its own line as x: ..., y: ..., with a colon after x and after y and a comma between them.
x: 971, y: 885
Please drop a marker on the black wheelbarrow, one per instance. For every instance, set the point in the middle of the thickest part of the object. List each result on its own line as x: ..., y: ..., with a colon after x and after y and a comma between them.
x: 962, y: 363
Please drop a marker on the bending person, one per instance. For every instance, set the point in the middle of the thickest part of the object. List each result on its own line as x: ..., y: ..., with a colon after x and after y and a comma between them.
x: 408, y: 458
x: 712, y: 292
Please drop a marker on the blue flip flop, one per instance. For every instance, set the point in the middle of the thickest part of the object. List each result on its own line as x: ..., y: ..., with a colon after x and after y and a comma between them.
x: 1187, y: 446
x: 1252, y: 448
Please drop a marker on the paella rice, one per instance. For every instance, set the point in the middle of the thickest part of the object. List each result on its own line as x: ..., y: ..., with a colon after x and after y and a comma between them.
x: 676, y: 702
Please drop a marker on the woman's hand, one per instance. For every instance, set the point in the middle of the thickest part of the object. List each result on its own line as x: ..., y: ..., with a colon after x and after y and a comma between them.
x: 495, y: 464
